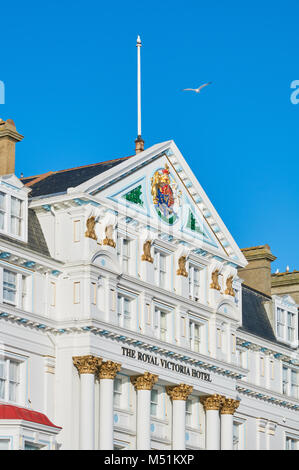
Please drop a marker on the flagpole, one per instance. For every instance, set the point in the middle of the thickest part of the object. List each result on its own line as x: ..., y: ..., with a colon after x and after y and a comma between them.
x: 139, y: 143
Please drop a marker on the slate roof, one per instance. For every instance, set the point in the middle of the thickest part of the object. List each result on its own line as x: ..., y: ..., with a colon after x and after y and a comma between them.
x: 36, y: 240
x: 57, y: 182
x: 254, y: 316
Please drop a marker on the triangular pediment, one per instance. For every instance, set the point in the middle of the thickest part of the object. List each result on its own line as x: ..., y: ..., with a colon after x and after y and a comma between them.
x: 157, y: 188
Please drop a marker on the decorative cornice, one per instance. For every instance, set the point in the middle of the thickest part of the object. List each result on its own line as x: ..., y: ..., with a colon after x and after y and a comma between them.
x: 229, y: 406
x: 108, y: 370
x: 179, y: 392
x: 87, y: 364
x: 212, y: 402
x: 145, y: 381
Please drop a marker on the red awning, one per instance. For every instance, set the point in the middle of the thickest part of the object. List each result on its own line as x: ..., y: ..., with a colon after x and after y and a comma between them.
x: 16, y: 412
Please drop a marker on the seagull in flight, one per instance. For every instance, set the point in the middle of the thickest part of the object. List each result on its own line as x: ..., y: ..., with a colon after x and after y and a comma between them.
x: 197, y: 90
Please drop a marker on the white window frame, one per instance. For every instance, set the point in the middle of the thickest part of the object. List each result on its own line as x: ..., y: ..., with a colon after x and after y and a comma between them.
x: 286, y: 382
x: 23, y: 278
x: 193, y: 324
x: 125, y: 259
x: 294, y: 439
x: 289, y: 309
x: 6, y: 361
x: 192, y: 284
x: 121, y: 296
x: 10, y: 192
x: 240, y: 424
x: 167, y: 313
x: 155, y: 403
x: 160, y: 275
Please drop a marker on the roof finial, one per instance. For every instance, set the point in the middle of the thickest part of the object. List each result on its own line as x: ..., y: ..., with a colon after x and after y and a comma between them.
x: 139, y: 142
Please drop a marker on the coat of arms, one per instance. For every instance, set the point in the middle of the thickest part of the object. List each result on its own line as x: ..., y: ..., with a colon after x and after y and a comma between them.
x: 164, y: 195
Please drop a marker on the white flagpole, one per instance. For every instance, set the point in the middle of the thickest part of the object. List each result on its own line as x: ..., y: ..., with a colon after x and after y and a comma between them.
x: 138, y: 45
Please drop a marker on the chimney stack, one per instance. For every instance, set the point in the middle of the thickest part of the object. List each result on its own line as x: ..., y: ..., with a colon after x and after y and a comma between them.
x: 8, y: 138
x: 257, y: 274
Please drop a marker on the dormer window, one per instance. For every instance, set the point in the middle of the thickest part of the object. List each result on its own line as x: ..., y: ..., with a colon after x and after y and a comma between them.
x: 286, y: 319
x: 13, y: 207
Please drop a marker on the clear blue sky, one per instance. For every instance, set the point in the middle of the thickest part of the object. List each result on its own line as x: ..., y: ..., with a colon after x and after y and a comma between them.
x: 70, y: 74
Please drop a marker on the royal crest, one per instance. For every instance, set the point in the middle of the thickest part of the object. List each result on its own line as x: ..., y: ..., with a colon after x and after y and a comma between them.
x: 163, y: 192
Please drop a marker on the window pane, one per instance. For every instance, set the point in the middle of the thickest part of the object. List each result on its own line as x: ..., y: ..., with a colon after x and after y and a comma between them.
x: 16, y: 207
x: 9, y: 286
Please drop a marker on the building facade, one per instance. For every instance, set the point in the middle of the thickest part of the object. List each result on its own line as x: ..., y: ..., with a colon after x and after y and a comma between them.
x: 125, y: 322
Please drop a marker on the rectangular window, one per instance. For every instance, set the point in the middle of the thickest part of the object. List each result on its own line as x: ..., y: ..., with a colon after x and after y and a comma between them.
x: 280, y: 322
x: 291, y: 443
x: 237, y: 436
x: 189, y: 412
x: 160, y: 269
x: 194, y: 336
x: 16, y: 216
x: 154, y: 402
x: 294, y: 383
x: 163, y: 325
x: 117, y: 391
x: 2, y: 210
x: 124, y: 311
x: 124, y: 252
x: 9, y: 286
x: 291, y: 327
x: 285, y: 380
x: 9, y: 380
x: 194, y: 286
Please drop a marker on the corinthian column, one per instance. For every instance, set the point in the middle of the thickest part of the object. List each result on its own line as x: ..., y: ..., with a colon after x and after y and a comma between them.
x: 227, y: 412
x: 179, y: 395
x: 106, y: 376
x: 212, y: 405
x: 143, y: 385
x: 87, y: 366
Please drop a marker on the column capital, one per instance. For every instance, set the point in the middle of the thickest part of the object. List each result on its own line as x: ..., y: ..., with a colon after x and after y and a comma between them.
x: 108, y: 370
x: 179, y: 392
x: 145, y: 381
x: 212, y: 402
x: 229, y: 406
x: 87, y: 364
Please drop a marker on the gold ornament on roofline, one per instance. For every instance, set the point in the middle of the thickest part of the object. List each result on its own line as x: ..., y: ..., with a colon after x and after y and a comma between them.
x: 90, y: 225
x: 146, y: 256
x: 182, y: 267
x: 229, y: 286
x: 215, y: 282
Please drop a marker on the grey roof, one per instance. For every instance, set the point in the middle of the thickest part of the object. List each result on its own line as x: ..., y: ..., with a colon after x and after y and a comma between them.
x: 36, y: 240
x: 59, y: 181
x: 254, y: 316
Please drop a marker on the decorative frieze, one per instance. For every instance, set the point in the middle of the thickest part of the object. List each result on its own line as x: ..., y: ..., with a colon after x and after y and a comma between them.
x: 87, y: 364
x: 145, y: 381
x: 212, y: 402
x: 179, y: 392
x: 229, y: 406
x: 108, y: 370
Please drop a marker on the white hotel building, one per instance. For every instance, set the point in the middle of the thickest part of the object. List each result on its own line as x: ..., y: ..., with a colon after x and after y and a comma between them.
x: 124, y: 320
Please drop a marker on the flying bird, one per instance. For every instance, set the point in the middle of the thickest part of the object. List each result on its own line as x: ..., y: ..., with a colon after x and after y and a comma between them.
x: 197, y: 90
